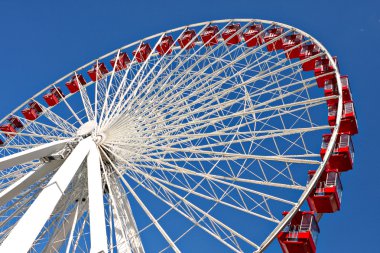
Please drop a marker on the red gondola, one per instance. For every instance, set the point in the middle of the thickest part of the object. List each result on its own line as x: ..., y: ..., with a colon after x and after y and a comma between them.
x: 253, y: 36
x: 8, y: 130
x: 36, y: 106
x: 186, y: 41
x: 51, y: 99
x: 273, y: 34
x: 15, y: 122
x: 79, y: 78
x: 342, y: 157
x: 142, y: 53
x: 122, y: 61
x: 322, y: 67
x: 331, y: 89
x: 72, y: 85
x: 332, y: 110
x: 54, y: 96
x: 210, y: 36
x: 346, y: 88
x: 308, y: 51
x: 165, y: 45
x: 327, y: 195
x: 291, y: 41
x: 57, y: 92
x: 348, y: 123
x: 30, y: 113
x: 301, y: 234
x: 232, y: 34
x: 97, y: 71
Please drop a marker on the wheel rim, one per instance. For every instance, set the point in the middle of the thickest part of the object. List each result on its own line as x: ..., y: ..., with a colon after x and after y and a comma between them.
x: 225, y: 125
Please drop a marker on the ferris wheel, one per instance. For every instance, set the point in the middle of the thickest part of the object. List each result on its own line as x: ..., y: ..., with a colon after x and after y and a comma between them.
x: 206, y: 136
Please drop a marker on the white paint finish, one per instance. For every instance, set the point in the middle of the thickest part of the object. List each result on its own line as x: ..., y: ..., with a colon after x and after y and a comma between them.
x: 31, y: 154
x: 60, y: 235
x: 71, y: 236
x: 86, y: 128
x: 22, y: 236
x: 27, y: 180
x: 122, y: 243
x: 98, y: 231
x: 124, y: 222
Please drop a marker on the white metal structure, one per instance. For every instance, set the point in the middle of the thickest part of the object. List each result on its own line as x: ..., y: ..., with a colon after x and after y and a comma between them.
x: 194, y: 149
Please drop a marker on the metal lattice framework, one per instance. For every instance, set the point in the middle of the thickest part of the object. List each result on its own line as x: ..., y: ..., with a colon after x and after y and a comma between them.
x: 209, y: 143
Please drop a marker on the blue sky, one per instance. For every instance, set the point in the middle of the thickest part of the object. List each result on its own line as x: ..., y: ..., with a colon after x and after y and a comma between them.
x: 43, y: 40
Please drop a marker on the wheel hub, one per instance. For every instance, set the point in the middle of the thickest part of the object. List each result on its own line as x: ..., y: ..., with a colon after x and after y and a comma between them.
x: 88, y: 129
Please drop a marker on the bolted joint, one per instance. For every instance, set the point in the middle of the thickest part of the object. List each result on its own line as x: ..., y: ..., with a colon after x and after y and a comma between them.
x: 99, y: 138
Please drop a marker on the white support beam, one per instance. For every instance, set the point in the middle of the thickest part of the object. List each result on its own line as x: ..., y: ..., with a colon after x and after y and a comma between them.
x: 145, y: 209
x: 124, y: 221
x: 71, y: 236
x: 27, y: 180
x: 98, y: 231
x: 32, y: 154
x: 80, y: 208
x: 121, y: 240
x: 22, y: 236
x: 59, y: 237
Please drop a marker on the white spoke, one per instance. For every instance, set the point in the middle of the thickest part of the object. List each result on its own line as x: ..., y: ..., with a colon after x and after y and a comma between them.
x: 29, y: 179
x: 147, y: 212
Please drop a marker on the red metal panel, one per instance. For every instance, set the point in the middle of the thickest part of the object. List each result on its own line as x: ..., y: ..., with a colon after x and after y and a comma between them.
x: 346, y: 88
x: 325, y: 196
x: 323, y: 67
x: 51, y: 99
x: 253, y: 36
x: 102, y: 68
x: 142, y: 53
x: 303, y: 244
x: 292, y: 43
x: 332, y: 112
x: 92, y: 74
x: 272, y: 35
x: 30, y: 113
x: 326, y: 203
x: 165, y: 45
x: 57, y: 92
x: 331, y: 89
x: 15, y: 122
x: 97, y: 72
x: 293, y: 239
x: 308, y: 51
x: 210, y: 36
x: 8, y: 130
x: 36, y: 106
x: 186, y: 40
x: 342, y: 157
x: 122, y: 61
x: 348, y: 124
x: 72, y: 86
x: 79, y: 78
x: 232, y: 35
